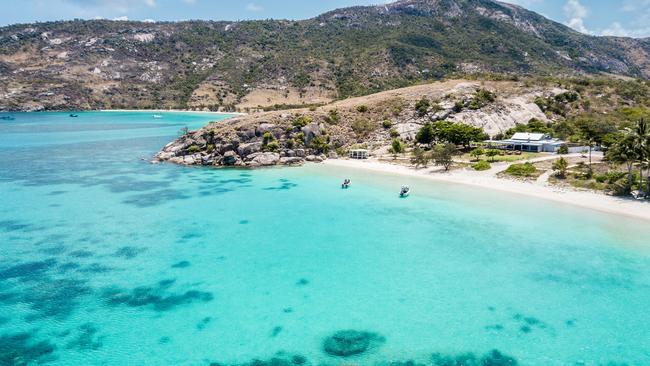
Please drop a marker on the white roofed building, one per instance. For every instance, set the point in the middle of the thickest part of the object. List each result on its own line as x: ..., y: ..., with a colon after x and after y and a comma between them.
x: 529, y: 141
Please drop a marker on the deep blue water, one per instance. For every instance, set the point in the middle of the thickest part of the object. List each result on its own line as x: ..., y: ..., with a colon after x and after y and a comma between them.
x: 108, y: 260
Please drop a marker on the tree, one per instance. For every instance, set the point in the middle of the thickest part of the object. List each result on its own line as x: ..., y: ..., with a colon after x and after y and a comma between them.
x: 184, y: 131
x: 592, y: 133
x: 492, y: 153
x: 563, y: 150
x: 426, y: 134
x: 477, y: 153
x: 458, y: 133
x: 624, y: 152
x: 397, y: 147
x: 420, y: 158
x: 640, y: 136
x: 560, y: 167
x: 443, y: 155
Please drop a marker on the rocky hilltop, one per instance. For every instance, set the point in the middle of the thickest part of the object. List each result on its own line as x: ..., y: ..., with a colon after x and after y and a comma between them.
x: 371, y: 122
x: 276, y: 64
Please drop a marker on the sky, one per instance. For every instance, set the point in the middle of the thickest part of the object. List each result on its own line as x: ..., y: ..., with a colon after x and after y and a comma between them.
x: 598, y: 17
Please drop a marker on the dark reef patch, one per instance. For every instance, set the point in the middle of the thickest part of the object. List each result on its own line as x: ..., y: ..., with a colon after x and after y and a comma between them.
x: 22, y: 349
x: 164, y: 340
x: 276, y: 330
x: 55, y: 299
x: 244, y: 222
x: 282, y: 187
x: 27, y: 271
x: 128, y: 252
x: 181, y: 264
x: 203, y: 323
x: 345, y: 343
x: 87, y: 340
x: 158, y: 298
x: 302, y: 282
x: 95, y: 268
x: 493, y: 358
x: 14, y: 225
x: 157, y: 198
x: 81, y: 254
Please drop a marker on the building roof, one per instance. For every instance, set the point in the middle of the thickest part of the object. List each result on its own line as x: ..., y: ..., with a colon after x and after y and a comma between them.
x: 528, y: 136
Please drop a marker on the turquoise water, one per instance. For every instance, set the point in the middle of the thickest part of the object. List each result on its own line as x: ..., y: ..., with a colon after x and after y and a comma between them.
x: 108, y: 260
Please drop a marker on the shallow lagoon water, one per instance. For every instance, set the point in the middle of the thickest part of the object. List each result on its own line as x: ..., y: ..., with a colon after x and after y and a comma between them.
x: 109, y: 260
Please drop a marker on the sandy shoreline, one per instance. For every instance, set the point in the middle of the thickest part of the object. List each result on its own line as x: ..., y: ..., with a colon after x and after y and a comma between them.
x: 170, y: 110
x: 585, y: 199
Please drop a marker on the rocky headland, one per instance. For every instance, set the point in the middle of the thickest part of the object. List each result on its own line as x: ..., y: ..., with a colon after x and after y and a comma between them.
x: 372, y: 122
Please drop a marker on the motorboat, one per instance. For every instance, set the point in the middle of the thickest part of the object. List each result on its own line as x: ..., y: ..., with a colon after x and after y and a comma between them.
x: 346, y: 184
x: 74, y: 115
x: 7, y: 118
x: 157, y: 116
x: 405, y: 191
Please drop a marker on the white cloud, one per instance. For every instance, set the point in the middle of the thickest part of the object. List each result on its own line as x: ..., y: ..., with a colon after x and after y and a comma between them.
x: 150, y: 3
x: 254, y: 7
x: 123, y: 18
x: 576, y: 13
x: 189, y: 1
x: 148, y: 21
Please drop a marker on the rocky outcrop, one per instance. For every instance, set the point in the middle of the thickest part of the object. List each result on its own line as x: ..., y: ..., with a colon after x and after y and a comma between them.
x: 297, y: 136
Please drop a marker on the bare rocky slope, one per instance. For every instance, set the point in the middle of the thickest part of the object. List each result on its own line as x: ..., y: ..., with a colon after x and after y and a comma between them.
x: 251, y: 65
x: 294, y: 136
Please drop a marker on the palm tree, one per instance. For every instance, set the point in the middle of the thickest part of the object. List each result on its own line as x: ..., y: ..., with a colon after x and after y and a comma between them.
x: 624, y: 152
x: 641, y: 134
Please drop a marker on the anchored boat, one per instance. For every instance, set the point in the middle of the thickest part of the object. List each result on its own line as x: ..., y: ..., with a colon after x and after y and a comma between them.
x: 346, y: 184
x: 405, y: 191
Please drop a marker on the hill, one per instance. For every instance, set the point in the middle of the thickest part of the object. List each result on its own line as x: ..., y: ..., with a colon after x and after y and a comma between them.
x: 276, y: 63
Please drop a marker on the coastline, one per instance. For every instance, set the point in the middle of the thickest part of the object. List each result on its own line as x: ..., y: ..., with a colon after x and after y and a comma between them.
x: 167, y: 110
x: 584, y: 199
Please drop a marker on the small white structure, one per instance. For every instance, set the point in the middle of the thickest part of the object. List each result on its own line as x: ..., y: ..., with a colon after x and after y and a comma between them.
x: 531, y: 142
x: 358, y: 154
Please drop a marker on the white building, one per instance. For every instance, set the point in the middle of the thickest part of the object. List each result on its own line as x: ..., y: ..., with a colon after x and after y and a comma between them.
x: 531, y: 142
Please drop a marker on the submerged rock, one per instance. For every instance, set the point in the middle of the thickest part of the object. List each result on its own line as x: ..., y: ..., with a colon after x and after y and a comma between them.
x: 346, y: 343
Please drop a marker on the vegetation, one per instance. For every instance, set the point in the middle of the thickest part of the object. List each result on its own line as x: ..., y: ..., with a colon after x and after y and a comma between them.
x: 525, y: 170
x: 482, y: 98
x: 397, y: 147
x: 477, y: 153
x: 420, y: 157
x: 481, y: 165
x: 422, y: 106
x: 302, y: 121
x: 443, y: 155
x: 560, y: 167
x: 363, y: 126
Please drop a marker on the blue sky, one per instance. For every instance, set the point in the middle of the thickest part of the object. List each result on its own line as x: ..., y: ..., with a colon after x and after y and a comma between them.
x: 599, y: 17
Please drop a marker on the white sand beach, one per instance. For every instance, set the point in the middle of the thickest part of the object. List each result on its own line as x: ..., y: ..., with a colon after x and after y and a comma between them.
x: 488, y: 179
x: 171, y: 111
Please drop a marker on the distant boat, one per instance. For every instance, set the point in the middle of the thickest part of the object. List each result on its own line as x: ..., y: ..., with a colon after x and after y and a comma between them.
x: 7, y: 118
x: 157, y: 116
x: 346, y: 184
x: 405, y: 191
x: 74, y: 115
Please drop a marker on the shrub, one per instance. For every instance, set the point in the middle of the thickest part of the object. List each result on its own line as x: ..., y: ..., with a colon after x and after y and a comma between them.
x: 458, y: 106
x: 183, y: 131
x: 477, y: 153
x: 193, y: 149
x: 482, y: 165
x: 319, y: 143
x: 393, y: 133
x: 333, y: 117
x: 387, y: 124
x: 397, y: 146
x: 273, y: 146
x: 443, y: 155
x: 290, y: 143
x: 521, y: 170
x: 560, y: 166
x: 267, y: 137
x: 563, y: 150
x: 362, y: 109
x: 362, y: 126
x: 422, y: 106
x: 299, y: 138
x: 302, y: 121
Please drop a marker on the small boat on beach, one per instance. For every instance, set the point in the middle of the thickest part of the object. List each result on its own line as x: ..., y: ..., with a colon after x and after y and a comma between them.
x: 346, y: 184
x: 405, y: 191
